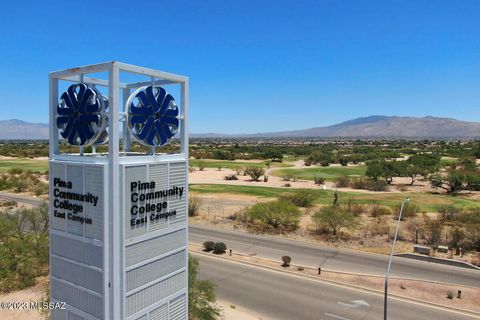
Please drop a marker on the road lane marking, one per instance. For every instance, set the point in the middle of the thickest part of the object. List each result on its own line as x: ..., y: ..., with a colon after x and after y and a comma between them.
x: 331, y: 315
x: 355, y: 304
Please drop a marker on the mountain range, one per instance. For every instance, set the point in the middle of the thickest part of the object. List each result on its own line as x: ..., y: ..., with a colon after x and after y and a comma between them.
x: 365, y: 127
x: 380, y: 127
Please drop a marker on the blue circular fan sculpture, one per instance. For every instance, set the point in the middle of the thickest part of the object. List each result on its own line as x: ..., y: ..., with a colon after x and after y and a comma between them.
x: 152, y: 116
x: 80, y: 115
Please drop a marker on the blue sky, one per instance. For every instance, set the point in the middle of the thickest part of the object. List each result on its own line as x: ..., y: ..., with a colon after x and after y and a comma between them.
x: 257, y: 66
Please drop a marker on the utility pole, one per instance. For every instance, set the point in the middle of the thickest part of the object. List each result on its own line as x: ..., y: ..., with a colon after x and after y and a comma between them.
x: 390, y: 260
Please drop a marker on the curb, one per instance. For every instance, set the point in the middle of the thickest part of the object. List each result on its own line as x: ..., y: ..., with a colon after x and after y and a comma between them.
x: 442, y: 261
x: 356, y: 287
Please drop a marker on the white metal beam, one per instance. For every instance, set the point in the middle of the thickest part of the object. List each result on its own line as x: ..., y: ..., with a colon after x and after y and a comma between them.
x: 150, y: 72
x: 94, y: 68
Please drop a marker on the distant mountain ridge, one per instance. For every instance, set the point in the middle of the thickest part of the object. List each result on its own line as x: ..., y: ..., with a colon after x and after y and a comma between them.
x: 15, y: 129
x: 375, y: 126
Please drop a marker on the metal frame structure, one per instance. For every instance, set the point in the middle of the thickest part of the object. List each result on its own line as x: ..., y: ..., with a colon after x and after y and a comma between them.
x: 114, y: 229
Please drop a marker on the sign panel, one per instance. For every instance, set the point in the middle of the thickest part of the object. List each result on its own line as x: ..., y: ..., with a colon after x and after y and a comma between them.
x: 77, y: 237
x: 155, y: 251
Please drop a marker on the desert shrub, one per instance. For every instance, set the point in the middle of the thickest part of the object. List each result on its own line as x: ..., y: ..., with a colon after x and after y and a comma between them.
x: 378, y: 227
x: 231, y: 177
x: 318, y: 180
x: 201, y: 165
x: 409, y: 210
x: 333, y: 218
x: 432, y: 231
x: 301, y: 197
x: 457, y: 237
x: 254, y: 172
x: 359, y: 183
x: 19, y: 185
x: 5, y: 184
x: 238, y: 171
x: 472, y: 234
x: 40, y: 188
x: 377, y: 210
x: 15, y: 171
x: 219, y: 248
x: 342, y: 182
x: 24, y: 249
x: 286, y: 261
x: 279, y: 214
x: 355, y: 208
x: 377, y: 186
x: 367, y: 184
x: 448, y: 213
x: 450, y: 294
x: 194, y: 204
x: 287, y: 177
x: 471, y: 216
x: 287, y: 185
x: 208, y: 246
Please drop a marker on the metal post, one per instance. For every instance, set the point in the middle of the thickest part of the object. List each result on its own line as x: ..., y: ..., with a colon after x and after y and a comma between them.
x: 390, y: 259
x: 116, y: 311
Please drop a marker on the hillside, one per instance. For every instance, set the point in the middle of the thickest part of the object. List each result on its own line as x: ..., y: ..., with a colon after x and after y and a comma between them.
x: 17, y: 129
x: 386, y: 127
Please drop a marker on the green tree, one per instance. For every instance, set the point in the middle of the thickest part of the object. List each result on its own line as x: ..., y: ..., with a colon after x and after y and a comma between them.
x: 386, y: 170
x: 24, y: 249
x: 334, y: 218
x: 463, y: 175
x: 421, y: 165
x: 273, y: 154
x: 452, y: 182
x: 323, y: 157
x: 254, y: 172
x: 277, y: 214
x: 201, y: 295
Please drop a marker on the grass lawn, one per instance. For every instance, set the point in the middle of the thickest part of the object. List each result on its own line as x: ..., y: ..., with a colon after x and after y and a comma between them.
x: 446, y: 161
x: 329, y: 173
x: 25, y: 164
x: 209, y: 163
x: 426, y: 201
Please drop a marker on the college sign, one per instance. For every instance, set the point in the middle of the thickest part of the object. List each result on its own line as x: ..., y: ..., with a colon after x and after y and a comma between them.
x: 118, y: 217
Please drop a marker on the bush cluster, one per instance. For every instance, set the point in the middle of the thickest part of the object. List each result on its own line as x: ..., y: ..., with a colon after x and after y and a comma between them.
x: 361, y: 183
x: 279, y: 215
x: 216, y: 247
x: 301, y: 197
x: 24, y: 249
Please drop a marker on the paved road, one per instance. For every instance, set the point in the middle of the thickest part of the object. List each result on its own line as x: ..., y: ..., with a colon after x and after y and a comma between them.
x: 20, y: 199
x: 283, y: 297
x: 334, y: 259
x: 313, y: 255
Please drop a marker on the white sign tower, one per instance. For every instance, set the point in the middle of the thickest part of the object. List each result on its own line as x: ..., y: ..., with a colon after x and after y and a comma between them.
x: 118, y: 218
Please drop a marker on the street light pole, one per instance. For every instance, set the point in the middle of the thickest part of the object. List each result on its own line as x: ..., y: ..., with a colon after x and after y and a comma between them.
x: 391, y: 257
